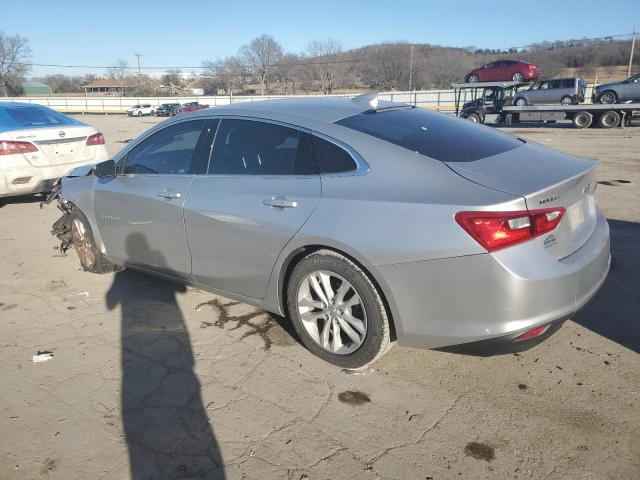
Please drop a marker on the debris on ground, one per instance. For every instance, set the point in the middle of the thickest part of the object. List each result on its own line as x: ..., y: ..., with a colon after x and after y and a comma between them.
x: 42, y: 356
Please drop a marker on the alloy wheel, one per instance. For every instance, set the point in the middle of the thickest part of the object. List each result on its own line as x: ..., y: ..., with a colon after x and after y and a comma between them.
x: 82, y: 243
x: 332, y: 312
x: 607, y: 98
x: 517, y: 77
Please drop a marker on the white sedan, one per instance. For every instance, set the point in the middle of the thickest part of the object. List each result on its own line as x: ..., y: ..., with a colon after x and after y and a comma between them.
x: 39, y: 145
x: 141, y: 110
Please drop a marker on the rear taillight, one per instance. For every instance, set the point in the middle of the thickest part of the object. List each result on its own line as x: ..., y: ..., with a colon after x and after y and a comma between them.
x: 95, y: 139
x: 495, y: 230
x: 536, y: 332
x: 9, y: 147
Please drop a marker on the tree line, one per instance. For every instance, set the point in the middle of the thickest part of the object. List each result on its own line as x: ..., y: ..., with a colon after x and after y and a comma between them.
x: 262, y: 66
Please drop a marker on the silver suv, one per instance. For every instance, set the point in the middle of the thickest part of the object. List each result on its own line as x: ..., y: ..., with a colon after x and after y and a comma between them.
x: 624, y: 91
x: 566, y: 91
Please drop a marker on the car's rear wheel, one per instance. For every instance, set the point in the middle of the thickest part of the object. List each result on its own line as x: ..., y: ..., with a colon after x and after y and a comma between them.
x: 517, y: 77
x: 566, y: 100
x: 337, y: 311
x: 473, y: 78
x: 91, y: 258
x: 473, y: 117
x: 582, y: 120
x: 608, y: 97
x: 609, y: 119
x: 521, y: 102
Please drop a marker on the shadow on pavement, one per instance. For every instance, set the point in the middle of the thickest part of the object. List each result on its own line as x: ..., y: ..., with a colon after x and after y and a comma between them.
x: 165, y: 422
x: 614, y: 311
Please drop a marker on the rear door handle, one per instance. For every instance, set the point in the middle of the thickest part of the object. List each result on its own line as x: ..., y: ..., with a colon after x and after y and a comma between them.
x: 169, y: 194
x: 279, y: 202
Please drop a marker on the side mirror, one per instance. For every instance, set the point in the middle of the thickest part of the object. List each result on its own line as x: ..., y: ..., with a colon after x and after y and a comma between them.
x: 105, y: 169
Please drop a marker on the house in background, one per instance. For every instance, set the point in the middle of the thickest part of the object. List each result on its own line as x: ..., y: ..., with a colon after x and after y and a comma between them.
x: 34, y: 87
x: 123, y: 86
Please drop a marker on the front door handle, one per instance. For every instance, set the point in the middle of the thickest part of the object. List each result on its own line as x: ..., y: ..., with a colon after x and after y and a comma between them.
x: 169, y: 194
x: 279, y: 202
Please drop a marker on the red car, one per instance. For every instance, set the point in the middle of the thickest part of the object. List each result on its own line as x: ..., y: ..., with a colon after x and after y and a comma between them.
x: 503, y: 70
x: 190, y: 107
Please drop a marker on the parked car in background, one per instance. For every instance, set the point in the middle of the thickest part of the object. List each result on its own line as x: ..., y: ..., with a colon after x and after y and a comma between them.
x: 503, y: 70
x: 166, y: 110
x: 363, y: 221
x: 624, y: 91
x: 566, y: 91
x: 141, y: 110
x: 190, y: 107
x: 39, y: 145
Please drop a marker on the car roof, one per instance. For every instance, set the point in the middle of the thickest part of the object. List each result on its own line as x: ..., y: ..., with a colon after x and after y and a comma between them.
x: 489, y: 84
x: 20, y: 105
x: 323, y: 109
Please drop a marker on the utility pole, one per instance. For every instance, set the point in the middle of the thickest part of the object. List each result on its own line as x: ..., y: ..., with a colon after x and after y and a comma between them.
x: 411, y: 68
x: 633, y: 45
x: 138, y: 55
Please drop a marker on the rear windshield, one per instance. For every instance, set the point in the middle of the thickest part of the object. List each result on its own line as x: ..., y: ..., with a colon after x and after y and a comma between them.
x: 442, y: 137
x: 30, y: 117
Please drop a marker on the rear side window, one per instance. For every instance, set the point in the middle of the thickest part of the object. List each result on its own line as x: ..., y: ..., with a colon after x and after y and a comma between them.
x: 436, y: 135
x: 332, y: 158
x: 248, y: 147
x: 568, y: 83
x: 26, y: 117
x: 171, y: 151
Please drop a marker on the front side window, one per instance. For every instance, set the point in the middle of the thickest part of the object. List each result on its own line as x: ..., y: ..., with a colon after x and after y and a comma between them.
x: 171, y: 151
x: 250, y: 147
x: 432, y: 134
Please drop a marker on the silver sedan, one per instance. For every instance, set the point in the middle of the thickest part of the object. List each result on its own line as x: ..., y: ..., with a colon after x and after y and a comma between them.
x: 364, y: 222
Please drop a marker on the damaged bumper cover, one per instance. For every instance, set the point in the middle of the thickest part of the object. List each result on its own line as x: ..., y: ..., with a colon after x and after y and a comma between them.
x: 61, y: 227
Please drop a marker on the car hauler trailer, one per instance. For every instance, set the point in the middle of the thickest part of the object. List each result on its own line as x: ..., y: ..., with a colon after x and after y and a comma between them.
x: 492, y: 102
x: 582, y: 115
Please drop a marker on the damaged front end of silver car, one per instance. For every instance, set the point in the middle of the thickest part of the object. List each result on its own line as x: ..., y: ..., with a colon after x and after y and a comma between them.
x: 62, y: 227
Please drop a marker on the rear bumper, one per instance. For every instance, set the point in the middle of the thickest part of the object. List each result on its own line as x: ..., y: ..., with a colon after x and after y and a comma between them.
x: 41, y: 178
x: 493, y: 297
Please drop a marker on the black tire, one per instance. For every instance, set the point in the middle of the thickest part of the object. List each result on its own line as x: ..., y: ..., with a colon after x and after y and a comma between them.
x: 607, y: 97
x: 582, y: 120
x: 473, y: 78
x: 473, y: 117
x: 609, y: 119
x: 520, y: 102
x: 377, y: 340
x: 90, y: 256
x: 517, y: 77
x: 566, y: 100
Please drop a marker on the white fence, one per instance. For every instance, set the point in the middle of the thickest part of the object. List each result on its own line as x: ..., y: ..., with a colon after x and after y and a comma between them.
x: 443, y: 100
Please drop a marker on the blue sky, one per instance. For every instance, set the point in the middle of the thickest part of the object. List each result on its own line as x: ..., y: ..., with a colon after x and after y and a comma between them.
x: 184, y: 32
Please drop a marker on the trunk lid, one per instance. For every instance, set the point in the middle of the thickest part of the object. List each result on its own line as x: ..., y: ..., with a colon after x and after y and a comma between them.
x: 546, y: 179
x: 58, y: 145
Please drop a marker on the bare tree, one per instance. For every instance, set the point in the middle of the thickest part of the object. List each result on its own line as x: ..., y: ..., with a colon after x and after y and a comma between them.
x: 290, y: 72
x: 65, y: 84
x: 386, y: 65
x: 327, y: 65
x: 14, y: 54
x: 118, y: 69
x: 262, y: 54
x: 228, y: 74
